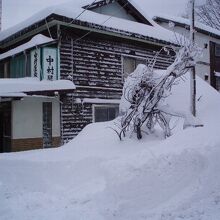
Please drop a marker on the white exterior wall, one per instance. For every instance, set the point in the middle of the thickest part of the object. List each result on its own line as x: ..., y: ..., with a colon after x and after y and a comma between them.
x: 115, y: 10
x: 201, y: 40
x: 27, y: 118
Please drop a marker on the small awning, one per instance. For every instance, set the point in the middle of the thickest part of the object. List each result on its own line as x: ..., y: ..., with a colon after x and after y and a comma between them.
x: 23, y: 86
x: 12, y: 95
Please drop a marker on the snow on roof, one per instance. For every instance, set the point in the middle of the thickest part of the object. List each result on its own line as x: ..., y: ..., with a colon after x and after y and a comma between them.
x: 185, y: 21
x: 35, y: 41
x: 12, y: 94
x: 11, y: 87
x: 143, y: 12
x: 72, y: 10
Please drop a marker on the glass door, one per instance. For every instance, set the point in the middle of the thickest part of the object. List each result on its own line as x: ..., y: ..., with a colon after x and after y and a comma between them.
x: 47, y: 124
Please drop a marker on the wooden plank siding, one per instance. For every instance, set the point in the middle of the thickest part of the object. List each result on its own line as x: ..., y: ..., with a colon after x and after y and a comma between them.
x: 96, y: 66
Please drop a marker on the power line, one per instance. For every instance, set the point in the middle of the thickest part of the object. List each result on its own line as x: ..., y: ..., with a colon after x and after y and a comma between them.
x: 88, y: 6
x: 85, y: 9
x: 48, y: 28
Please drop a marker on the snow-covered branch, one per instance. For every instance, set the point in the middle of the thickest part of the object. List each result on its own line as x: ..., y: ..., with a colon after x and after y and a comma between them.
x: 145, y: 90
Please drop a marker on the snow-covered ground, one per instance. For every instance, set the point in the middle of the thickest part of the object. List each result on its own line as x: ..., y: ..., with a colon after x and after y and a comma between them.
x: 97, y: 177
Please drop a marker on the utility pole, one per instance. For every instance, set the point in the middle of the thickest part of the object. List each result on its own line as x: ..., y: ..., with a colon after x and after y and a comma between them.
x: 193, y: 71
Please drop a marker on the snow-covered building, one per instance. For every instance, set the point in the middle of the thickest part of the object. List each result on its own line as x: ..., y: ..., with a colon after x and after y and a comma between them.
x: 206, y: 37
x: 93, y: 47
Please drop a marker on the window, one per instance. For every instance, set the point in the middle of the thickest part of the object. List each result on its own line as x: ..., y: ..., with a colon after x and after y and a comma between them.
x: 105, y: 112
x: 7, y: 70
x: 130, y: 64
x: 218, y: 83
x: 41, y: 63
x: 17, y: 66
x: 217, y: 50
x: 28, y: 65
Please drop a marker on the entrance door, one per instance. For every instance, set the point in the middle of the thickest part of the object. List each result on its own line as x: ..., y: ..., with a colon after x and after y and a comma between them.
x: 5, y: 127
x: 47, y: 124
x: 215, y: 65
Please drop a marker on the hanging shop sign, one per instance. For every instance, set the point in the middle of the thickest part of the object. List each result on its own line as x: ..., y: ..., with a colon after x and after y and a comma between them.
x: 50, y: 65
x: 36, y: 63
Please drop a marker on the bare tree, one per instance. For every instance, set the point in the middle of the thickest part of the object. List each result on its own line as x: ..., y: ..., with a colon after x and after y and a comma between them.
x: 209, y: 13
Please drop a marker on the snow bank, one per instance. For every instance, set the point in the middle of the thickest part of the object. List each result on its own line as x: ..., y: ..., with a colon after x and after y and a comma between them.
x: 97, y: 177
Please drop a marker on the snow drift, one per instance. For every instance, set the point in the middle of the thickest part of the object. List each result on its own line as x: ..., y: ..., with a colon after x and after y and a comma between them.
x: 97, y: 177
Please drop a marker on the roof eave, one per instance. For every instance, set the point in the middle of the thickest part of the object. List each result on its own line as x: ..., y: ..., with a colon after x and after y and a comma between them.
x: 29, y: 31
x: 202, y: 31
x: 54, y: 19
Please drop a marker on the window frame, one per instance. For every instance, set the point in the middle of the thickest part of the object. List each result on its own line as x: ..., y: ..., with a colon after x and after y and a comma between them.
x: 102, y: 106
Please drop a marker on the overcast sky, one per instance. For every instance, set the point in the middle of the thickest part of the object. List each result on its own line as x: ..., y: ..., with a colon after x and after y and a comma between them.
x: 15, y: 11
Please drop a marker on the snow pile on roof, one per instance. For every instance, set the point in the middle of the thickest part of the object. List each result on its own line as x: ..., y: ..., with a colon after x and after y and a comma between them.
x: 35, y: 41
x: 185, y: 21
x: 9, y: 87
x: 12, y: 94
x: 72, y: 10
x: 98, y: 177
x: 217, y: 74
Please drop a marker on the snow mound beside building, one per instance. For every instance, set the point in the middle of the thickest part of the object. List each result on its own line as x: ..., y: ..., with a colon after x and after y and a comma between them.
x: 98, y: 177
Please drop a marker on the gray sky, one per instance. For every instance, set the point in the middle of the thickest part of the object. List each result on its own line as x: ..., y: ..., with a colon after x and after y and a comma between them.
x: 15, y: 11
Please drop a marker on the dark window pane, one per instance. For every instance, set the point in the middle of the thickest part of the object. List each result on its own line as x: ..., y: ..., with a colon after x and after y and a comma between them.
x: 129, y: 66
x: 111, y: 113
x: 17, y: 67
x: 105, y: 113
x: 140, y: 62
x: 7, y: 70
x: 101, y: 114
x: 218, y: 83
x: 217, y: 50
x: 28, y: 65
